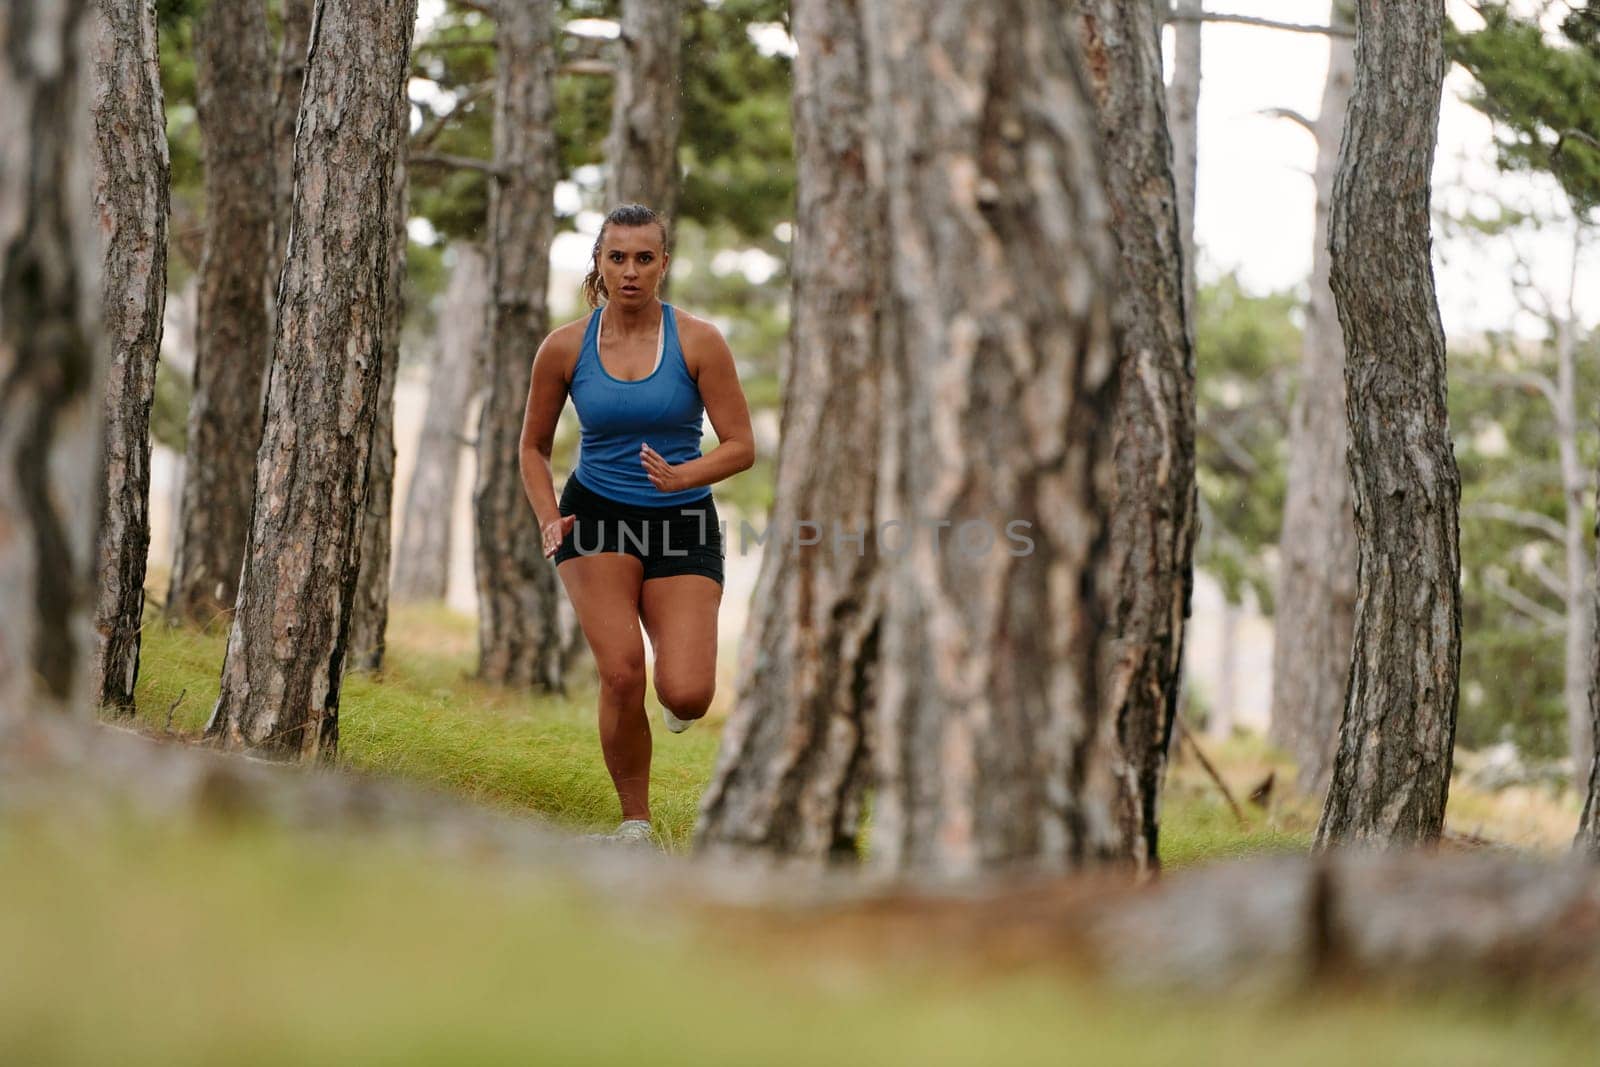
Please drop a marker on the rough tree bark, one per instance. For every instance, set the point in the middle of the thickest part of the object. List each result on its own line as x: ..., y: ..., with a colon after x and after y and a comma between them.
x: 1153, y: 515
x: 999, y: 369
x: 1391, y: 775
x: 794, y: 758
x: 642, y: 149
x: 287, y: 83
x: 370, y: 623
x: 130, y: 185
x: 286, y: 650
x: 51, y: 361
x: 1317, y: 571
x: 422, y: 566
x: 519, y: 637
x: 234, y: 337
x: 1183, y: 123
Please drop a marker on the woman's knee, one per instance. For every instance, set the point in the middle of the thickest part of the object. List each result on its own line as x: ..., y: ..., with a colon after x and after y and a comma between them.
x: 622, y: 674
x: 687, y: 698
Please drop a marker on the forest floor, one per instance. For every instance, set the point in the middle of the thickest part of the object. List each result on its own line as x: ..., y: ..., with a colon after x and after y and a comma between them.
x: 173, y: 944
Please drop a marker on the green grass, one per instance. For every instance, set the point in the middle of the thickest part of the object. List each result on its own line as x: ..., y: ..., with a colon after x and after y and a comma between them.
x: 141, y: 944
x: 426, y: 719
x: 134, y: 944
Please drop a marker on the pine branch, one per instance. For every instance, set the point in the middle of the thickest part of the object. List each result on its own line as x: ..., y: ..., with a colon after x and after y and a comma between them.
x: 440, y: 159
x: 1261, y: 23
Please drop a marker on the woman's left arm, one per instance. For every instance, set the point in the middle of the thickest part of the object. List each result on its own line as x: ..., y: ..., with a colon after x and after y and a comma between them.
x: 728, y: 410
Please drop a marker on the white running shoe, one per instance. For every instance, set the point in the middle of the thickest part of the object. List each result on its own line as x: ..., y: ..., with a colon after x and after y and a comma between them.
x: 631, y: 832
x: 675, y: 724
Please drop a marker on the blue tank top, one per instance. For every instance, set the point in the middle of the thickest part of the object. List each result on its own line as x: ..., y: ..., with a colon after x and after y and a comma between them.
x: 662, y: 410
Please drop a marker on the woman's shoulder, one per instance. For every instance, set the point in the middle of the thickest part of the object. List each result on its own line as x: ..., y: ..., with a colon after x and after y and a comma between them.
x: 700, y: 340
x: 564, y: 343
x: 692, y: 329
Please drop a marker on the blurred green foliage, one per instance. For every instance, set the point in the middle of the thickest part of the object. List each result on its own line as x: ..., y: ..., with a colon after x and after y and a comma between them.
x: 1542, y: 91
x: 1512, y: 663
x: 1247, y: 352
x: 736, y: 151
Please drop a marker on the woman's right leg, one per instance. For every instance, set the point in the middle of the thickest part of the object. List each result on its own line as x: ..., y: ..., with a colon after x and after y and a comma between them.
x: 604, y: 588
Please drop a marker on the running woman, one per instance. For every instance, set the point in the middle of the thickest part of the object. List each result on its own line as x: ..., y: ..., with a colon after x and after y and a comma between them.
x: 635, y: 535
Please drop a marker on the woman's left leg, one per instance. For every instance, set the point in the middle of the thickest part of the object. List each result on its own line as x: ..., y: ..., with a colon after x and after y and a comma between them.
x: 680, y: 615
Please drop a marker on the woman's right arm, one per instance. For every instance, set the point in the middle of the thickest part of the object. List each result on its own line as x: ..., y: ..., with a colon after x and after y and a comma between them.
x: 547, y: 395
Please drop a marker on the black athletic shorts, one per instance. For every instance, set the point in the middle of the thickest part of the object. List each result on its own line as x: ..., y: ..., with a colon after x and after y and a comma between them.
x: 685, y: 539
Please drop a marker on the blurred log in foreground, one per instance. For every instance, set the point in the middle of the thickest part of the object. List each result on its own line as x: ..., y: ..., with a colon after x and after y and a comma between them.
x: 1281, y: 925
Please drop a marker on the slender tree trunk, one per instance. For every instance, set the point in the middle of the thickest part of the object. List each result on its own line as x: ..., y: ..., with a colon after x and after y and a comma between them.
x: 287, y: 82
x: 233, y: 79
x: 1580, y: 595
x: 1391, y: 775
x: 1588, y: 839
x: 642, y: 150
x: 422, y: 566
x: 1219, y: 726
x: 794, y: 759
x: 370, y: 623
x: 1153, y: 516
x: 286, y: 651
x: 1183, y: 122
x: 519, y: 638
x: 1317, y: 571
x: 999, y: 369
x: 130, y: 182
x: 51, y: 362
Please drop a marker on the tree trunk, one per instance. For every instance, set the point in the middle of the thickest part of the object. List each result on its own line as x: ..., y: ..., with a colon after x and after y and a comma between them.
x: 422, y: 566
x: 280, y: 681
x: 519, y: 638
x: 794, y: 759
x: 1580, y: 595
x: 1391, y: 775
x: 234, y: 337
x: 1153, y: 517
x: 999, y: 368
x: 1588, y: 839
x: 51, y: 362
x: 288, y: 80
x: 130, y: 181
x: 1317, y: 569
x: 642, y: 150
x: 1219, y: 724
x: 370, y: 623
x: 1183, y: 122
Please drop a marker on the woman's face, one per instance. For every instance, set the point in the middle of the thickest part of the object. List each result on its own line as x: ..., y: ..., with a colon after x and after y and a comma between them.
x: 632, y: 263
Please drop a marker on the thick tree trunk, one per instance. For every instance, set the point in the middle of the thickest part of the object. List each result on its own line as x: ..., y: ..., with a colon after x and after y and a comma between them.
x: 642, y: 150
x: 999, y: 364
x: 1183, y: 122
x: 281, y: 678
x: 130, y: 182
x: 51, y: 362
x: 287, y: 82
x: 1317, y: 570
x: 1153, y: 517
x: 519, y: 638
x: 233, y: 81
x: 1391, y: 775
x: 422, y: 566
x: 370, y: 623
x: 794, y: 759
